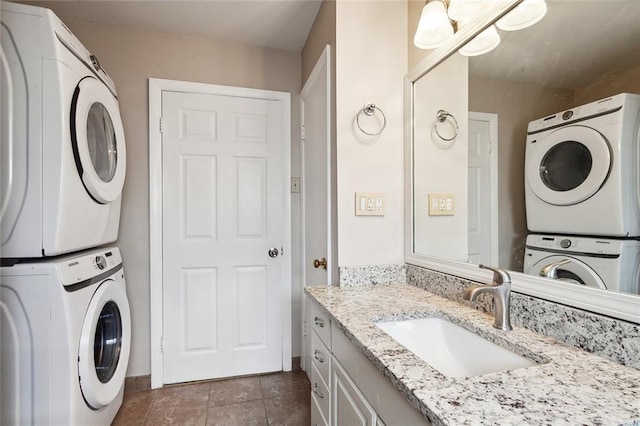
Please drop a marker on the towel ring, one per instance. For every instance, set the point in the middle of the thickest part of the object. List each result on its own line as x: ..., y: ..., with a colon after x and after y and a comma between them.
x: 369, y: 109
x: 441, y: 117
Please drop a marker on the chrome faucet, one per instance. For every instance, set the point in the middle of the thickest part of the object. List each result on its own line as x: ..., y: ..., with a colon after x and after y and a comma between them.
x: 500, y: 288
x: 551, y: 270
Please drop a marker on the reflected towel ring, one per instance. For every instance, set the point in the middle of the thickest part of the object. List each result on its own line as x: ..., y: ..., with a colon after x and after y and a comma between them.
x: 369, y: 110
x: 441, y: 117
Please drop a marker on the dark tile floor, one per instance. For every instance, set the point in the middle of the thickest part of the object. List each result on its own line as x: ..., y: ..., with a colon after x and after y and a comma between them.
x: 271, y: 399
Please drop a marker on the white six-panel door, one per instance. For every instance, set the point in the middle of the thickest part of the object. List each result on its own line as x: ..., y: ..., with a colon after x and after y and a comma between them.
x: 222, y: 209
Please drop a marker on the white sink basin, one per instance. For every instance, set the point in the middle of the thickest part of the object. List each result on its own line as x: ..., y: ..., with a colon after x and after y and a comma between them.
x: 452, y: 350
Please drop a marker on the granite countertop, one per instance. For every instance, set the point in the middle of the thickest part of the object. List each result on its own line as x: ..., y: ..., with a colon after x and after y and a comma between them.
x: 568, y: 386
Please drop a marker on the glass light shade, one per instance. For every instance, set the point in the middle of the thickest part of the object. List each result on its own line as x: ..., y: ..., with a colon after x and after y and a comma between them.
x: 484, y: 42
x: 524, y: 15
x: 463, y: 10
x: 434, y: 27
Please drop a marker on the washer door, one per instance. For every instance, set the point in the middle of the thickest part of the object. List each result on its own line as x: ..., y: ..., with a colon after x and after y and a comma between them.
x: 105, y: 341
x: 575, y: 272
x: 569, y: 165
x: 97, y: 139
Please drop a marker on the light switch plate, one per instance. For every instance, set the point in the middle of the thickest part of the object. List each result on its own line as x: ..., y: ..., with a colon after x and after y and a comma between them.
x: 369, y: 204
x: 442, y: 204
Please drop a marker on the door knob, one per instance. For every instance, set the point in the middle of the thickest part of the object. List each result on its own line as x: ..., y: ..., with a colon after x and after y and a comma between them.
x: 273, y: 252
x: 318, y: 263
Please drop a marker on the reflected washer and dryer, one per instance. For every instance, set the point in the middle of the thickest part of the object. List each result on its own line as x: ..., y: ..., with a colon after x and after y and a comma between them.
x: 62, y: 140
x: 582, y: 170
x: 610, y: 264
x: 66, y: 335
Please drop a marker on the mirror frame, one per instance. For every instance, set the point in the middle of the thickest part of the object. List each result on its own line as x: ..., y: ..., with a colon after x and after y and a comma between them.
x: 617, y: 305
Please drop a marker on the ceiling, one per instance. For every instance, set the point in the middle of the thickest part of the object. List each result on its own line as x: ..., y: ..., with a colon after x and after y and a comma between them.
x: 578, y: 41
x: 278, y: 24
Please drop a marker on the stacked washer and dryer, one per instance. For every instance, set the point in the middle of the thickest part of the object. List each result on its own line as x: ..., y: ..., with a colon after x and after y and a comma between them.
x: 64, y: 314
x: 582, y: 195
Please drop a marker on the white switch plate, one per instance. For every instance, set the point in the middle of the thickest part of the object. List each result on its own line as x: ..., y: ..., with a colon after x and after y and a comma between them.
x: 295, y: 185
x: 369, y: 204
x: 442, y: 204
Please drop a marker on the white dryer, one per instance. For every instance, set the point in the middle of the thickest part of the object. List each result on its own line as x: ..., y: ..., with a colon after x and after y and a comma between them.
x: 62, y: 141
x: 593, y: 262
x: 582, y: 170
x: 66, y: 334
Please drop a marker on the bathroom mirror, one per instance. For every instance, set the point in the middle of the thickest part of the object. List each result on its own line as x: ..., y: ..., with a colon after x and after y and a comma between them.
x: 581, y: 51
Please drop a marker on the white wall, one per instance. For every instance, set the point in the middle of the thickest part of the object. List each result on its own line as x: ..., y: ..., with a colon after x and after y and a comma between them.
x: 441, y: 167
x: 371, y: 61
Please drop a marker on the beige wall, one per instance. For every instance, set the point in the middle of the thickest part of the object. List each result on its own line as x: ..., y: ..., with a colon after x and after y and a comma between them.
x: 625, y: 82
x: 131, y: 56
x: 371, y: 61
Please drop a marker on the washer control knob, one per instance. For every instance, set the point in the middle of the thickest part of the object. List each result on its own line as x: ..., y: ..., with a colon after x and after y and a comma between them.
x: 101, y: 262
x: 566, y: 243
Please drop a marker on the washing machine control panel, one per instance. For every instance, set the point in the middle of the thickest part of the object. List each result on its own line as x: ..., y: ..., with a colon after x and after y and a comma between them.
x: 76, y: 269
x: 564, y: 244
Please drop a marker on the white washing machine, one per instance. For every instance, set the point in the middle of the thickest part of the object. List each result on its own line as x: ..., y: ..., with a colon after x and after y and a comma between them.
x: 594, y: 262
x: 581, y: 170
x: 66, y: 334
x: 62, y: 141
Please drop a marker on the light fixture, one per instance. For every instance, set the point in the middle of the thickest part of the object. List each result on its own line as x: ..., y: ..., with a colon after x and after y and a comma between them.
x: 438, y: 16
x: 484, y: 42
x: 434, y: 27
x: 524, y: 15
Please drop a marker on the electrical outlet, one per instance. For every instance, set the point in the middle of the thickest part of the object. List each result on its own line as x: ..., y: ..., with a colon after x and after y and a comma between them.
x: 442, y: 204
x: 369, y: 204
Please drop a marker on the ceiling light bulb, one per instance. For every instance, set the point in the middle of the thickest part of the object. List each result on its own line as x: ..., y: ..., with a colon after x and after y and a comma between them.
x: 524, y: 15
x: 484, y: 42
x: 463, y: 10
x: 434, y: 27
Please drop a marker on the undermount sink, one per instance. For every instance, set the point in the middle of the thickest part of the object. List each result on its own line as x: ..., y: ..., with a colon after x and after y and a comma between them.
x: 451, y: 349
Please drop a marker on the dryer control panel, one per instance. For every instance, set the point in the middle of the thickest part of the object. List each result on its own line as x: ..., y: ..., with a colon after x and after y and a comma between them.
x: 91, y: 265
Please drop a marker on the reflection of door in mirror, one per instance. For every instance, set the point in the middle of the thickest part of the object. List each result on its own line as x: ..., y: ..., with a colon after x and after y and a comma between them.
x: 483, y: 188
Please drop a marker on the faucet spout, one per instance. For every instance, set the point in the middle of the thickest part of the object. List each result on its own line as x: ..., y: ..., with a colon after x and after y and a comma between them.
x: 500, y: 288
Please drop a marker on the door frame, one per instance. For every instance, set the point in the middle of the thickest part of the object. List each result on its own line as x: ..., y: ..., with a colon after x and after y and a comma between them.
x: 323, y: 61
x: 492, y: 119
x: 156, y: 87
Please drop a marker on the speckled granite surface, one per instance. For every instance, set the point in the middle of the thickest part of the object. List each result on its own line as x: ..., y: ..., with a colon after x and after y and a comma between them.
x: 611, y: 338
x: 353, y: 276
x: 569, y: 386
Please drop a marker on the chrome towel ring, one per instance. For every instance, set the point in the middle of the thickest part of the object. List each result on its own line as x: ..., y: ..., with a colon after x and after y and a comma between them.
x: 441, y: 117
x: 369, y: 109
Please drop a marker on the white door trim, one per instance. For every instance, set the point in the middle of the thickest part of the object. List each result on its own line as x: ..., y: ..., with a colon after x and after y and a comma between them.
x: 156, y: 87
x: 492, y: 119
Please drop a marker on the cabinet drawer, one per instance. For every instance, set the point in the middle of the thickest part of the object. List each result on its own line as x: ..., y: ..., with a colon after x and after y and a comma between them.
x: 320, y: 324
x: 319, y: 391
x: 316, y: 416
x: 321, y: 357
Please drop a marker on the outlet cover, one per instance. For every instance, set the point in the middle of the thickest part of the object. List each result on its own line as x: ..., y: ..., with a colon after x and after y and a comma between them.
x: 442, y: 204
x: 370, y: 204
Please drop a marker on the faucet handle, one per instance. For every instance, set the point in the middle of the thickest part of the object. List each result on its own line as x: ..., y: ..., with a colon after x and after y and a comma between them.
x: 500, y: 275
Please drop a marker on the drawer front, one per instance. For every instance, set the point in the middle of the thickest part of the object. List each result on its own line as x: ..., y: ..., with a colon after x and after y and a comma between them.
x: 321, y: 357
x: 320, y: 392
x: 316, y: 416
x: 321, y: 325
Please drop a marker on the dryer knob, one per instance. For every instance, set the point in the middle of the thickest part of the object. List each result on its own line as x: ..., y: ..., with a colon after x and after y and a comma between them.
x: 565, y: 243
x: 101, y: 262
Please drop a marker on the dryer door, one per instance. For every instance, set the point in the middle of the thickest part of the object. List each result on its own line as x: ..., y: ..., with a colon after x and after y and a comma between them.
x: 575, y: 271
x: 105, y: 341
x: 97, y: 139
x: 569, y: 165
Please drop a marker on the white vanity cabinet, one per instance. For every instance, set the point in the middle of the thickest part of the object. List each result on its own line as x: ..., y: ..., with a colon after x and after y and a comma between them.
x: 346, y: 388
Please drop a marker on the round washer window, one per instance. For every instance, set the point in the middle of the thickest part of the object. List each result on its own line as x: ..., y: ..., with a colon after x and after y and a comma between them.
x: 101, y: 141
x: 107, y: 341
x: 566, y: 166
